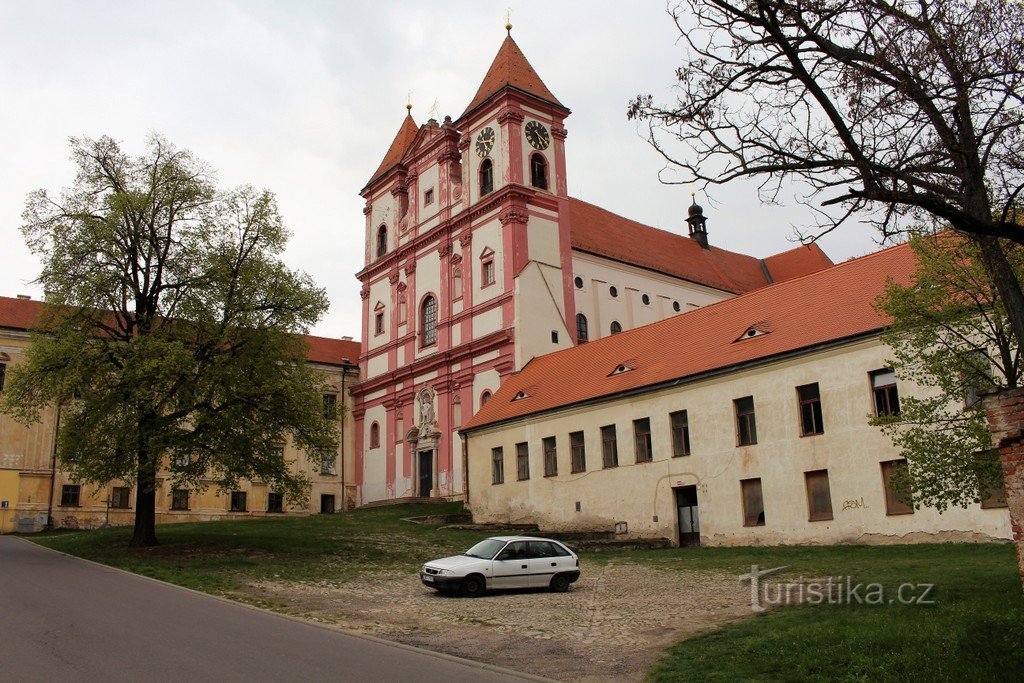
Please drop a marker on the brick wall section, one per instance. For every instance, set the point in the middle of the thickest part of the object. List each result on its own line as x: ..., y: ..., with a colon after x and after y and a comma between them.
x: 1005, y: 412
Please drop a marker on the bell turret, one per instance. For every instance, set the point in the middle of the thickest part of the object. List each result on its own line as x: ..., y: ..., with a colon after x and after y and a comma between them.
x: 698, y: 225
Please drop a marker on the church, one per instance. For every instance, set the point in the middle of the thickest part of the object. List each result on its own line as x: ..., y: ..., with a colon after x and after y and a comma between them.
x: 478, y: 261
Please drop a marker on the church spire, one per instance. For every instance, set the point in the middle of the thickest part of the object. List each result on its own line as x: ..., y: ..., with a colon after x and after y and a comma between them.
x: 399, y: 146
x: 511, y: 69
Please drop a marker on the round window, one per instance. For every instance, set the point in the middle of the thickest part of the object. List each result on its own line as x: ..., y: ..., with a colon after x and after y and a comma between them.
x: 579, y: 282
x: 614, y: 291
x: 646, y: 299
x: 676, y: 307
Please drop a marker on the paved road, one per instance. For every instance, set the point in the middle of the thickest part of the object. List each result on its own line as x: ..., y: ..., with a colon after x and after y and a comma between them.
x: 65, y: 619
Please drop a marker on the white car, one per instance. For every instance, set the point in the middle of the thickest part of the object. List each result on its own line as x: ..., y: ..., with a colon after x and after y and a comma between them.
x: 504, y: 562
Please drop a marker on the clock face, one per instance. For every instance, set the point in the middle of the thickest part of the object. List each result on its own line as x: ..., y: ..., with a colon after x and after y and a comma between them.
x: 537, y: 135
x: 484, y: 142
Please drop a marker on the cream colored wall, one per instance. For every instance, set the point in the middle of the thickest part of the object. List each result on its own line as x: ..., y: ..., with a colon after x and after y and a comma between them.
x: 628, y: 308
x: 641, y: 494
x: 487, y: 236
x: 499, y: 154
x: 539, y: 311
x: 383, y: 211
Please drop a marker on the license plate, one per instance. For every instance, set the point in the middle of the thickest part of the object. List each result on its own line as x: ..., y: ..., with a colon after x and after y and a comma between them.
x: 428, y: 577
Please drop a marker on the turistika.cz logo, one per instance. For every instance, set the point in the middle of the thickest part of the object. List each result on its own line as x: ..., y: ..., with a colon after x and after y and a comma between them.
x: 835, y: 590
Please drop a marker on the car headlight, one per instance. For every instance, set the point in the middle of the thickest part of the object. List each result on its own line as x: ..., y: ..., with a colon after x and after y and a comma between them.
x: 446, y: 572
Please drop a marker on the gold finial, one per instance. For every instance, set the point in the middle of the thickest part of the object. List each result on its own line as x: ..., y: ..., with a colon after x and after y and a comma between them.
x: 693, y: 192
x: 408, y: 101
x: 508, y: 20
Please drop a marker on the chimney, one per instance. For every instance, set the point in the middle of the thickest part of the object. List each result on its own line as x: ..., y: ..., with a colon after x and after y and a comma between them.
x: 25, y: 297
x: 346, y: 339
x: 698, y: 227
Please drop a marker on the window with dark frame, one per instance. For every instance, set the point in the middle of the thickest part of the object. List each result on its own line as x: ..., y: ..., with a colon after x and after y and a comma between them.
x: 428, y: 197
x: 746, y: 425
x: 498, y: 465
x: 883, y: 388
x: 486, y: 177
x: 609, y: 447
x: 120, y: 497
x: 485, y: 397
x: 753, y: 502
x: 642, y: 440
x: 550, y: 456
x: 811, y: 421
x: 539, y: 171
x: 375, y: 435
x: 330, y: 406
x: 578, y: 447
x: 615, y: 327
x: 897, y: 501
x: 680, y: 433
x: 582, y: 329
x: 179, y: 499
x: 382, y: 241
x: 578, y: 281
x: 327, y: 463
x: 239, y: 501
x: 70, y: 495
x: 275, y: 502
x: 428, y: 321
x: 523, y: 461
x: 378, y: 323
x: 487, y: 273
x: 819, y: 496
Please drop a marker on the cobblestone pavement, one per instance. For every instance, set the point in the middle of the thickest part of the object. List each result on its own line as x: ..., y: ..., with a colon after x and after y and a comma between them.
x: 613, y: 625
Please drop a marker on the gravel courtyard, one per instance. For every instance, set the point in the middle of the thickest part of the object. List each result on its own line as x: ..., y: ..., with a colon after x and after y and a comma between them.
x: 613, y: 624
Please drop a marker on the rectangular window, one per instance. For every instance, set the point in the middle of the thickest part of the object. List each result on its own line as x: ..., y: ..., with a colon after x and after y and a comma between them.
x: 119, y: 497
x: 680, y: 433
x: 70, y: 495
x: 497, y: 466
x: 179, y: 499
x: 550, y: 456
x: 487, y: 273
x: 819, y: 498
x: 883, y: 387
x: 811, y: 421
x: 330, y: 406
x: 746, y: 426
x: 180, y: 460
x: 897, y: 501
x: 239, y: 501
x: 753, y: 502
x: 609, y: 447
x: 642, y: 440
x: 428, y: 197
x: 378, y: 323
x: 275, y: 502
x: 993, y: 497
x: 523, y: 461
x: 327, y: 460
x: 579, y: 452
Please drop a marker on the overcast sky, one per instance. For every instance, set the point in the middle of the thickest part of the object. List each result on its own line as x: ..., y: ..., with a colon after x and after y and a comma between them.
x: 304, y: 97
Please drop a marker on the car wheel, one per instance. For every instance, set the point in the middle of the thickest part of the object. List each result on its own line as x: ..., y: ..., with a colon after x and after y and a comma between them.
x: 560, y: 583
x: 473, y: 586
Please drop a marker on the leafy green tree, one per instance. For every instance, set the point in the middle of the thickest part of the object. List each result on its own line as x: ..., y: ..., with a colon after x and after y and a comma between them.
x: 171, y: 331
x: 950, y: 335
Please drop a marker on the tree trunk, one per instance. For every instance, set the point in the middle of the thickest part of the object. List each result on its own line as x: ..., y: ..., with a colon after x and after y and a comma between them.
x: 145, y: 497
x: 1006, y: 282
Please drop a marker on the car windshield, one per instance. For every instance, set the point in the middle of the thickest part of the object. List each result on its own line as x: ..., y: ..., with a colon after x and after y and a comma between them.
x: 486, y: 550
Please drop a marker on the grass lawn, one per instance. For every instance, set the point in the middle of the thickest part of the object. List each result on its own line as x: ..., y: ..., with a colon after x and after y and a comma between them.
x: 974, y: 631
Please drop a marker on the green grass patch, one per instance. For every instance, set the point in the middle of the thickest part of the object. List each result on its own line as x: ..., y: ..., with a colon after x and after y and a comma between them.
x: 973, y: 631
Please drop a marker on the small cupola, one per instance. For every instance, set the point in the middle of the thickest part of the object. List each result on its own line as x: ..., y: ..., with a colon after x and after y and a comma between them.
x: 698, y: 224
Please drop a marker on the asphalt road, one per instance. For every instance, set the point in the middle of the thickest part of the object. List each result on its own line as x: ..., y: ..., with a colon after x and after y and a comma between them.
x: 65, y: 619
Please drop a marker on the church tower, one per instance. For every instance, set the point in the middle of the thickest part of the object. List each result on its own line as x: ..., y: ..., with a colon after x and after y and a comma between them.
x: 468, y: 275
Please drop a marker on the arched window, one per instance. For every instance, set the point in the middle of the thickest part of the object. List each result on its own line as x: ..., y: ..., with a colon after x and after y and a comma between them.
x: 375, y: 435
x: 484, y: 398
x: 428, y: 321
x: 457, y: 283
x: 539, y: 171
x: 582, y: 331
x: 382, y: 241
x: 486, y: 177
x: 616, y: 327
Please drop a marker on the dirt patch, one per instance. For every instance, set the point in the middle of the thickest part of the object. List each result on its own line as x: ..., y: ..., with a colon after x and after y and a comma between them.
x: 613, y: 625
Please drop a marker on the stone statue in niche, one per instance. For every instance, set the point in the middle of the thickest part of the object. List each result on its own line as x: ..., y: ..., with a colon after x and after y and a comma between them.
x: 425, y: 406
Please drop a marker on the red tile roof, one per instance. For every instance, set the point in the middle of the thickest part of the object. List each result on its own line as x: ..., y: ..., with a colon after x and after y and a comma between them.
x: 22, y: 314
x: 510, y: 68
x: 826, y: 306
x: 599, y: 231
x: 399, y: 146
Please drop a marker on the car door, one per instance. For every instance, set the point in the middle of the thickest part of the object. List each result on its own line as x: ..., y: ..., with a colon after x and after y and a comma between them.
x: 511, y: 569
x: 543, y: 563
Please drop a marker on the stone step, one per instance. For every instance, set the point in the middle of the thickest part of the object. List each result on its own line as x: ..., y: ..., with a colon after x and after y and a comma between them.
x: 403, y: 501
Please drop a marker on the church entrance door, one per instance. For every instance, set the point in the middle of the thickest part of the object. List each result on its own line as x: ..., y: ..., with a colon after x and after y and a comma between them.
x: 426, y: 472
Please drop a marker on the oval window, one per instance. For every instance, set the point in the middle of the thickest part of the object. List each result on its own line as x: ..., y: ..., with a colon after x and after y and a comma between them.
x: 614, y: 291
x: 578, y: 282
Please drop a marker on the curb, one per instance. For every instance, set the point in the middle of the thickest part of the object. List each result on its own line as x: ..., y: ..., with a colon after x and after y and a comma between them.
x: 327, y: 627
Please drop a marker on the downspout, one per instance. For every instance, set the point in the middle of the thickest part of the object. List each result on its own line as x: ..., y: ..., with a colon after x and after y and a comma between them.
x: 53, y: 473
x: 465, y: 468
x: 344, y: 400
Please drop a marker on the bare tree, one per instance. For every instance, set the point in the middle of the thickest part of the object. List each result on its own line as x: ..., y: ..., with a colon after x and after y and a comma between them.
x: 902, y: 112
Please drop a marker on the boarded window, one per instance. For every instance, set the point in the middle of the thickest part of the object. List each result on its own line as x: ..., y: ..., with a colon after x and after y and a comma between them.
x: 746, y: 426
x: 753, y: 502
x: 179, y: 499
x: 642, y: 440
x: 550, y: 457
x: 883, y: 388
x: 897, y: 500
x: 579, y: 452
x: 680, y: 433
x: 275, y: 502
x: 70, y: 495
x: 119, y: 497
x: 811, y: 421
x: 497, y: 466
x: 819, y: 497
x: 239, y: 501
x: 609, y: 447
x: 523, y: 461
